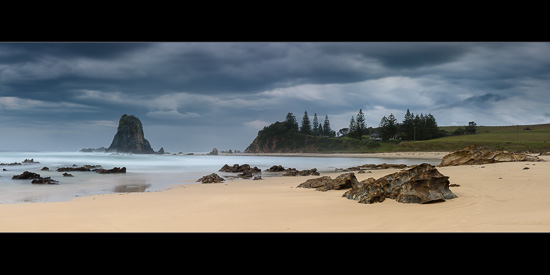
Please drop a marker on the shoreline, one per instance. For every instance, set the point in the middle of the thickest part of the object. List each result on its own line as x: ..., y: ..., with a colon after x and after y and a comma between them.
x: 394, y: 155
x: 499, y: 197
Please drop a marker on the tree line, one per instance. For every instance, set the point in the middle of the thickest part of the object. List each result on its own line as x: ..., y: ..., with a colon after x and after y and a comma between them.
x: 413, y: 127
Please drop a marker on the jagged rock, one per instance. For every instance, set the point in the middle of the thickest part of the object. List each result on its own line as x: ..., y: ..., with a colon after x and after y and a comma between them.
x: 111, y: 171
x: 26, y: 176
x: 294, y: 172
x: 46, y: 180
x: 326, y: 183
x: 90, y: 150
x: 129, y: 137
x: 212, y: 178
x: 161, y: 151
x: 10, y: 164
x: 67, y: 175
x: 275, y: 168
x: 316, y: 182
x: 236, y: 168
x: 82, y: 168
x: 257, y: 178
x: 472, y: 156
x: 420, y: 184
x: 29, y: 161
x: 213, y: 152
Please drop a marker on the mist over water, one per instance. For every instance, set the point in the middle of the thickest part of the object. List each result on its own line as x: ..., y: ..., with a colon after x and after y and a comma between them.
x: 144, y: 173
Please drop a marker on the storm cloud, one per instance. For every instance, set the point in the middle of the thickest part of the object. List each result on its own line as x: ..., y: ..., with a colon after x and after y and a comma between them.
x: 195, y: 96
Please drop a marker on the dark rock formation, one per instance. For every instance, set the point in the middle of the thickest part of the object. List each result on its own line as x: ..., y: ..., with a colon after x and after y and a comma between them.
x: 26, y: 176
x: 129, y: 137
x: 245, y: 170
x: 67, y: 175
x: 214, y: 152
x: 420, y: 184
x: 325, y: 183
x: 473, y: 156
x: 29, y: 161
x: 111, y: 171
x: 45, y: 169
x: 10, y: 164
x: 82, y: 168
x: 275, y: 168
x: 46, y: 180
x: 97, y: 150
x: 294, y: 172
x: 212, y: 178
x: 161, y: 151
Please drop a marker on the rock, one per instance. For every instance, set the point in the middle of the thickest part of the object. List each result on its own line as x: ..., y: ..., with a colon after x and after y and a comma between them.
x: 212, y: 178
x: 64, y: 169
x: 111, y: 171
x: 10, y: 164
x: 294, y: 172
x: 45, y: 169
x: 257, y: 178
x: 236, y: 168
x: 29, y: 161
x: 473, y: 156
x: 26, y: 175
x: 214, y: 152
x: 161, y: 151
x: 420, y: 184
x: 317, y: 183
x: 67, y: 175
x: 275, y: 168
x: 325, y: 183
x: 89, y: 150
x: 129, y: 137
x: 46, y: 180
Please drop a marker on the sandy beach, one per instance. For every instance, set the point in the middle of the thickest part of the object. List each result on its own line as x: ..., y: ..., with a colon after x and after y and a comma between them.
x: 502, y: 197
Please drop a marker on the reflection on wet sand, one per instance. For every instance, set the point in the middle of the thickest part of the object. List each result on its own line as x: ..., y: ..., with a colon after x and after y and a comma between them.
x: 137, y: 187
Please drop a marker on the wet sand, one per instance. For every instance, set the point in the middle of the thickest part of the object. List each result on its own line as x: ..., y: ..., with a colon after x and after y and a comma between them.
x: 502, y: 197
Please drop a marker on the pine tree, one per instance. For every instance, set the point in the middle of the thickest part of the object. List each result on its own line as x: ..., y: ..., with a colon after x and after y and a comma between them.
x: 352, y: 128
x: 292, y: 124
x: 361, y: 126
x: 306, y: 125
x: 315, y: 125
x: 327, y: 131
x: 407, y: 127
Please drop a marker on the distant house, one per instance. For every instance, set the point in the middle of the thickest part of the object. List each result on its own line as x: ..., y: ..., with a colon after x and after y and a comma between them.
x: 375, y: 136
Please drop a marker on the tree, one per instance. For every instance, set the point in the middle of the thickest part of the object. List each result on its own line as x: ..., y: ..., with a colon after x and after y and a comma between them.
x: 361, y: 126
x: 306, y: 125
x: 388, y: 127
x: 327, y: 131
x: 471, y: 128
x: 315, y: 125
x: 407, y: 127
x: 291, y: 122
x: 352, y: 128
x: 343, y: 132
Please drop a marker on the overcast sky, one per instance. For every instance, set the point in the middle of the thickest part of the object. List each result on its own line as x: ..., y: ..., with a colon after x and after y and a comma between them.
x: 192, y: 97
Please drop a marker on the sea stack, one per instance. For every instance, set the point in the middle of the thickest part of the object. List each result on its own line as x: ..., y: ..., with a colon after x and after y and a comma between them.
x: 129, y: 137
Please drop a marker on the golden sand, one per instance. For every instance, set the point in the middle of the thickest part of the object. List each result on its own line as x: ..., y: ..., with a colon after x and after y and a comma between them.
x: 502, y: 197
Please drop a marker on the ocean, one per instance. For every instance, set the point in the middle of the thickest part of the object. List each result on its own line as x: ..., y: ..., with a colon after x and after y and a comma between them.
x: 144, y: 173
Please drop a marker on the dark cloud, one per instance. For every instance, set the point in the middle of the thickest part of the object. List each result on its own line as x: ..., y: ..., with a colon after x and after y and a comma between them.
x: 190, y: 86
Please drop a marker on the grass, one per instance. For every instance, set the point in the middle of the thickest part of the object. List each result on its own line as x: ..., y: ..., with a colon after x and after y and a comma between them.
x: 508, y: 138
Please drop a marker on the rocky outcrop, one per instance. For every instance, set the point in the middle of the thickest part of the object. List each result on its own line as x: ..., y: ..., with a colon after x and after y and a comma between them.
x: 214, y: 152
x: 275, y: 168
x: 111, y: 171
x: 419, y: 184
x: 325, y: 183
x: 46, y: 180
x: 26, y: 176
x: 473, y: 156
x: 294, y: 172
x: 245, y: 170
x: 212, y: 178
x: 129, y: 137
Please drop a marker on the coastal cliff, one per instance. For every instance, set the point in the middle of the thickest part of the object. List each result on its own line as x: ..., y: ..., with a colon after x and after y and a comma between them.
x: 129, y: 137
x: 280, y: 138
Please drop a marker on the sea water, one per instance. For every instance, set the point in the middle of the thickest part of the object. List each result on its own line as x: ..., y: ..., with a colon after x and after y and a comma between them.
x: 144, y: 173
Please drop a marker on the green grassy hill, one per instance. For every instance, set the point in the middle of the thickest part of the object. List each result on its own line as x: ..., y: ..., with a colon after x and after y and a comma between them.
x: 522, y: 138
x: 533, y: 138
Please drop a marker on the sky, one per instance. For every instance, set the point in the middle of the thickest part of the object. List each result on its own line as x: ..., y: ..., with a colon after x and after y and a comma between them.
x: 194, y: 96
